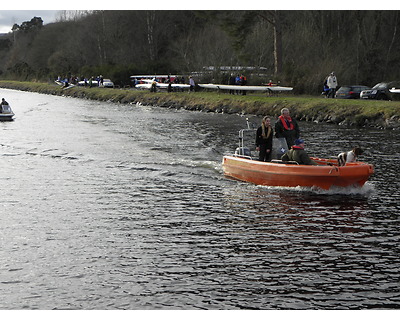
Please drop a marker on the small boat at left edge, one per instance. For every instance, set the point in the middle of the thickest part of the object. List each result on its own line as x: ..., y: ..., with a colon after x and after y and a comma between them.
x: 6, y: 113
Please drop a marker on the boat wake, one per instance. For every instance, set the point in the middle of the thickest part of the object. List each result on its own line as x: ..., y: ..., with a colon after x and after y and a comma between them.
x: 366, y: 190
x: 194, y: 163
x: 53, y: 153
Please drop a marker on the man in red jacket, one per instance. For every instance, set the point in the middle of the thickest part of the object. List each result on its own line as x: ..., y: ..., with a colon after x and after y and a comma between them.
x: 286, y: 127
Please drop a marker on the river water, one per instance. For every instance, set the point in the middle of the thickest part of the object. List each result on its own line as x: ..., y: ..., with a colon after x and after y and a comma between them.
x: 110, y: 206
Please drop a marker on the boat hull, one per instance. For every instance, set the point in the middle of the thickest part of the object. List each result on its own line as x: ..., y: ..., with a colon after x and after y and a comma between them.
x: 6, y: 117
x: 244, y: 88
x: 6, y: 113
x: 292, y: 175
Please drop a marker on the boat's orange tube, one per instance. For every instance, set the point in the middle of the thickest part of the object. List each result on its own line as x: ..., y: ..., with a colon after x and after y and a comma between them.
x: 292, y: 175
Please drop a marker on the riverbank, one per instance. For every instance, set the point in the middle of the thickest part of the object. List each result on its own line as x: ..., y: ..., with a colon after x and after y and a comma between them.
x: 361, y: 113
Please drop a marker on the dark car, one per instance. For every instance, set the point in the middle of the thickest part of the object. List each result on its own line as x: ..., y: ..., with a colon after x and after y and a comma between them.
x: 381, y: 91
x: 350, y: 91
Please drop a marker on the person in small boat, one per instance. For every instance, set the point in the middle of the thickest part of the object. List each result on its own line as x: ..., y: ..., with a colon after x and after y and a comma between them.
x: 3, y: 103
x: 298, y: 154
x: 264, y: 137
x: 350, y: 156
x: 286, y: 127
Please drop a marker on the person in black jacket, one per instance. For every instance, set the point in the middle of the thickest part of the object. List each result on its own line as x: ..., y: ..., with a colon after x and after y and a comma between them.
x: 264, y: 137
x: 286, y: 127
x: 3, y: 103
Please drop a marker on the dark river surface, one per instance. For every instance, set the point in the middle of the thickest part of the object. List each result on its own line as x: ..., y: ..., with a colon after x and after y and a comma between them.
x: 110, y: 206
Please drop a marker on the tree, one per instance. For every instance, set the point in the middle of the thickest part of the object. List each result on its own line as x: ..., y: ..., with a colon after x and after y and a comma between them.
x: 299, y: 47
x: 36, y: 23
x: 275, y: 19
x: 239, y: 25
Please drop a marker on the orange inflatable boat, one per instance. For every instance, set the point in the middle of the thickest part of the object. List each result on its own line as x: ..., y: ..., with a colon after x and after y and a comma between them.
x: 242, y: 166
x: 277, y: 173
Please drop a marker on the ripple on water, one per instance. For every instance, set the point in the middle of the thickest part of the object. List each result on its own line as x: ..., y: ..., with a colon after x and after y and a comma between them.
x: 109, y: 206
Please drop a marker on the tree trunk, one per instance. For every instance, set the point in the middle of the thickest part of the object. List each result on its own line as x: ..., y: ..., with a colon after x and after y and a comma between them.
x: 277, y: 44
x: 391, y: 43
x: 274, y: 18
x: 150, y: 17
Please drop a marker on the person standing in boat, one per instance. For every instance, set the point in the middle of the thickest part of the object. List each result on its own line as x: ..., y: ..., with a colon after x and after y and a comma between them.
x: 264, y: 137
x: 298, y: 154
x: 286, y: 127
x: 3, y: 103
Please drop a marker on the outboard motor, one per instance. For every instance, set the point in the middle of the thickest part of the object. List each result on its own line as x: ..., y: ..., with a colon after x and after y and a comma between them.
x: 242, y: 151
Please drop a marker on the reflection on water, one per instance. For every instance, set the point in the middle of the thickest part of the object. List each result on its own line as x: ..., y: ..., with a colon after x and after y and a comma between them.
x: 108, y: 206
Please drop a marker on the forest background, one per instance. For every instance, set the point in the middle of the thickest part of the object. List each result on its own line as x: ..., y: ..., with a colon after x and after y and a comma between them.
x: 296, y: 48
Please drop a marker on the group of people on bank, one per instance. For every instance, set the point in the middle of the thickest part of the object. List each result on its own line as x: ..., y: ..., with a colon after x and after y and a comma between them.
x: 239, y: 80
x: 288, y: 128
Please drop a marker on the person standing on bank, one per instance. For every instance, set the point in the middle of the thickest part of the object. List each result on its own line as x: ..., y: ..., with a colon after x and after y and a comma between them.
x: 286, y: 127
x: 192, y: 84
x: 332, y: 84
x: 264, y: 137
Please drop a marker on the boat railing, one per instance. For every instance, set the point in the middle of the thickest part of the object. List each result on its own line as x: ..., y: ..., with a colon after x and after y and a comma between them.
x: 243, y: 156
x: 283, y: 162
x: 243, y: 150
x: 247, y: 138
x: 242, y: 134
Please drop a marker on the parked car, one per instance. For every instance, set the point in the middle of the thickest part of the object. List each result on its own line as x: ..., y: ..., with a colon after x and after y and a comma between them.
x: 381, y: 91
x: 350, y: 91
x: 108, y: 83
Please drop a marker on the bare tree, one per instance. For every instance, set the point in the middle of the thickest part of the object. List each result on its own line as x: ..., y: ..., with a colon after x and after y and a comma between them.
x: 274, y: 18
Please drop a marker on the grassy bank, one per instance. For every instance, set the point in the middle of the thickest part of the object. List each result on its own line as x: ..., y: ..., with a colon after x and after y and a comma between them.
x: 380, y: 114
